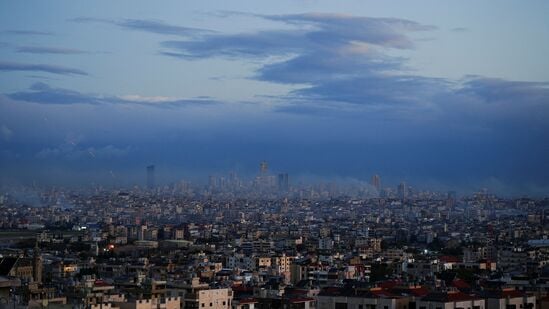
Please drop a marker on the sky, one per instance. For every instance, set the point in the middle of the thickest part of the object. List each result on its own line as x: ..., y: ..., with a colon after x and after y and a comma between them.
x: 446, y: 95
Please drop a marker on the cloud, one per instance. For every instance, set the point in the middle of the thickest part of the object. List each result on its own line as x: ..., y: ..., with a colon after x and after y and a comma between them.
x: 516, y: 107
x: 500, y: 90
x: 322, y: 32
x: 41, y: 77
x: 260, y: 44
x: 163, y: 101
x: 354, y: 108
x: 50, y: 50
x: 342, y: 28
x: 334, y: 57
x: 75, y: 152
x: 343, y: 72
x: 375, y: 90
x: 26, y: 32
x: 53, y: 69
x: 459, y: 29
x: 342, y: 65
x: 152, y: 26
x: 44, y: 94
x: 159, y: 27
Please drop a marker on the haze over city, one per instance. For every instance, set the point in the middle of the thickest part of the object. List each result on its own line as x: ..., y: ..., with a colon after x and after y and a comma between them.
x: 290, y: 154
x: 442, y: 95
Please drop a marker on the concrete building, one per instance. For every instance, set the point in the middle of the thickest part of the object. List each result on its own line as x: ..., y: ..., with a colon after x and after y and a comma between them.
x: 451, y: 300
x: 150, y: 177
x: 198, y: 295
x: 509, y: 299
x: 376, y: 182
x: 360, y: 299
x: 153, y: 303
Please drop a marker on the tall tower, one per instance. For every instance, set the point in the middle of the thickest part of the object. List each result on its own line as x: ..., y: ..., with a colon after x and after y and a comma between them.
x: 451, y: 200
x: 37, y: 264
x: 283, y: 184
x: 212, y: 182
x: 263, y: 168
x: 402, y: 191
x: 150, y: 177
x: 376, y: 182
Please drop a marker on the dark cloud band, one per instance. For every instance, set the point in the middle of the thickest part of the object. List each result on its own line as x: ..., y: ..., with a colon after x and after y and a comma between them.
x: 53, y: 69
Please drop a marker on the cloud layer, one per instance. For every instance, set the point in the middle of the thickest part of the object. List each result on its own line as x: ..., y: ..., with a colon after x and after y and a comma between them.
x: 47, y: 68
x: 26, y: 32
x: 44, y: 94
x: 356, y: 108
x: 340, y: 58
x: 49, y: 50
x: 152, y: 26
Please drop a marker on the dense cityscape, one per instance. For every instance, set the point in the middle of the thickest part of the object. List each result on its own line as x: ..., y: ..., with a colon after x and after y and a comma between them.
x: 268, y: 244
x: 288, y: 154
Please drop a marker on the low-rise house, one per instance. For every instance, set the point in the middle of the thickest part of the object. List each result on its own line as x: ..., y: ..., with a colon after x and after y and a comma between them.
x: 509, y: 299
x: 349, y: 298
x: 451, y: 300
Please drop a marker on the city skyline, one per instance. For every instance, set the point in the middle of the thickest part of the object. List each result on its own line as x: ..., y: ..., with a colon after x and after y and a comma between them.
x: 449, y: 96
x: 291, y: 154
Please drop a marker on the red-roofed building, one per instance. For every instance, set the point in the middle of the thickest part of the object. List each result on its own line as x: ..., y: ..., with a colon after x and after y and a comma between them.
x: 449, y: 259
x: 389, y: 284
x: 246, y: 303
x: 451, y: 300
x: 376, y: 298
x: 417, y: 291
x: 460, y: 284
x: 299, y: 303
x: 509, y: 299
x: 380, y: 292
x: 414, y: 293
x: 449, y: 262
x: 286, y: 302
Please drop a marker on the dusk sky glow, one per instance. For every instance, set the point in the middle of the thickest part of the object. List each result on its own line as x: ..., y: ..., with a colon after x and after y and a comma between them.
x: 442, y: 95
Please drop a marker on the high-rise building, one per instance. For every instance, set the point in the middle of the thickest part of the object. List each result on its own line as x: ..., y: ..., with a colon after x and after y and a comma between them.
x: 451, y: 199
x: 403, y: 190
x: 212, y: 182
x: 283, y: 184
x: 376, y: 182
x: 37, y: 264
x: 264, y: 181
x: 263, y: 168
x: 150, y: 177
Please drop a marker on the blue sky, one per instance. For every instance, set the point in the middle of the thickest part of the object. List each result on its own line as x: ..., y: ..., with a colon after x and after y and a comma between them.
x: 440, y: 94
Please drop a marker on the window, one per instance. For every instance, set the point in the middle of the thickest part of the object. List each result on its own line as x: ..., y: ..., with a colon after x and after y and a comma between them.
x: 223, y: 303
x: 360, y: 307
x: 202, y: 305
x: 341, y: 306
x: 211, y: 305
